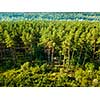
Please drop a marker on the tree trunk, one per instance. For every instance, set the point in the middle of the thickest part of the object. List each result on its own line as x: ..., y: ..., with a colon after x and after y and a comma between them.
x: 13, y: 55
x: 94, y: 49
x: 1, y: 55
x: 69, y: 56
x: 48, y: 56
x: 72, y: 57
x: 60, y: 59
x: 64, y: 61
x: 80, y: 54
x: 52, y: 55
x: 84, y: 60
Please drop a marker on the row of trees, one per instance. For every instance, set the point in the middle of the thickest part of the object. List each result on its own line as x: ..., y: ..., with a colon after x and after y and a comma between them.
x: 74, y: 42
x: 51, y: 16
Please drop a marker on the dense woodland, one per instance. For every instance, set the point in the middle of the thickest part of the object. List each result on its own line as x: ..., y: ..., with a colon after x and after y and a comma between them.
x: 49, y: 53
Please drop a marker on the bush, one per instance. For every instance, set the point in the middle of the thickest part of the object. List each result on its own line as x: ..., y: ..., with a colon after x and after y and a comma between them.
x: 25, y: 66
x: 47, y: 76
x: 89, y: 66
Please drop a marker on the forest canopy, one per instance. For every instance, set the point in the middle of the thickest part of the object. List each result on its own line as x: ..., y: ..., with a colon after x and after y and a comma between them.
x: 42, y: 48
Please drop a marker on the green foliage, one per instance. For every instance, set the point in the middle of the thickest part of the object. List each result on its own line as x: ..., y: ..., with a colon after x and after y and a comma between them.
x: 77, y: 42
x: 25, y: 66
x: 43, y: 76
x: 89, y: 66
x: 33, y: 45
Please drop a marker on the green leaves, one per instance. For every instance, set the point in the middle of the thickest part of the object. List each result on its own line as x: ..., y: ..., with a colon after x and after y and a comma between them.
x: 9, y: 41
x: 43, y: 76
x: 74, y: 43
x: 1, y: 29
x: 27, y: 38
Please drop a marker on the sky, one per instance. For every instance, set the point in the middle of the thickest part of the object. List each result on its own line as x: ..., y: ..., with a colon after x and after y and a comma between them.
x: 49, y: 5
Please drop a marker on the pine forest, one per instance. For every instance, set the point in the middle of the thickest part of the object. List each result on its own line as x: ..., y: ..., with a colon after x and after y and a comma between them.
x: 50, y: 49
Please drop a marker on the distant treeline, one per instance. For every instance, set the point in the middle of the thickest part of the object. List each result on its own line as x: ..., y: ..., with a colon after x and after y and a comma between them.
x: 91, y: 16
